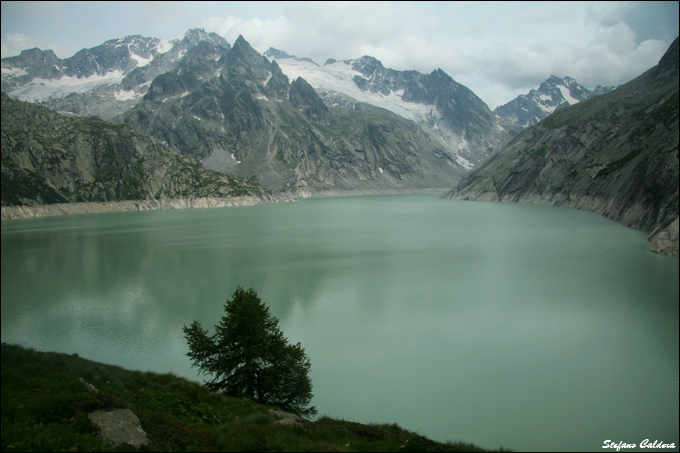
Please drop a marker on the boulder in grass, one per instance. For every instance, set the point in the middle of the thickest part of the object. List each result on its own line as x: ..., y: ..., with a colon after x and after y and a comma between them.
x: 119, y: 427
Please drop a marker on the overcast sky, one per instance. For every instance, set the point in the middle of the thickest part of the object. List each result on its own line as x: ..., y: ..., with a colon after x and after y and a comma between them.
x: 497, y: 49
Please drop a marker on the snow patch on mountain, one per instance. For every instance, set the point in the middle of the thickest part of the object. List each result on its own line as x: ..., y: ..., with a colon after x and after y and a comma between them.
x: 41, y: 89
x: 123, y: 95
x: 8, y: 73
x: 166, y: 45
x: 339, y: 77
x: 566, y: 94
x: 141, y: 61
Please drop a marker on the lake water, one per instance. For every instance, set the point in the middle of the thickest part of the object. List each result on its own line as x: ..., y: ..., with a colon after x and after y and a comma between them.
x: 526, y: 326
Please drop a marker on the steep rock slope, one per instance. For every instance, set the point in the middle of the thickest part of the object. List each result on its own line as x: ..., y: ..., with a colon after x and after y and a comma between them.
x: 553, y: 94
x: 241, y: 115
x: 50, y: 158
x: 445, y: 109
x: 615, y: 154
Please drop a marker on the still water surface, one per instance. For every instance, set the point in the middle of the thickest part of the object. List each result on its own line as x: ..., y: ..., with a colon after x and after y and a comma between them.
x: 526, y: 326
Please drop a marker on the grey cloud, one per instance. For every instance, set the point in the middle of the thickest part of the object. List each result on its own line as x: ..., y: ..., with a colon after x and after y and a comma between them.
x: 648, y: 19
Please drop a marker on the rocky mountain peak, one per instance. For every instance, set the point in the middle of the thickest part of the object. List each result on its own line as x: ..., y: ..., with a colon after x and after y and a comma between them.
x: 243, y: 62
x: 303, y: 97
x: 554, y: 80
x: 366, y: 65
x: 35, y: 55
x: 552, y: 94
x: 108, y: 79
x: 243, y: 51
x: 448, y: 110
x: 439, y: 74
x: 241, y: 43
x: 196, y: 35
x: 276, y: 53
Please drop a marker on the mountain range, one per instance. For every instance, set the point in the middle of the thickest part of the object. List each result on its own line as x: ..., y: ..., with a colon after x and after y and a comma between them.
x: 615, y: 154
x: 242, y: 114
x: 103, y: 81
x: 553, y: 94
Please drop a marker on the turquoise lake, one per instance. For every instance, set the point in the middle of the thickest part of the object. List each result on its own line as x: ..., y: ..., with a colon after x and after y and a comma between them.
x: 524, y: 326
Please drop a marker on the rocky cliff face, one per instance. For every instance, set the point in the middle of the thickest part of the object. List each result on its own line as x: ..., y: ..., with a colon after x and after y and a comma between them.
x: 241, y: 115
x: 615, y: 154
x: 50, y: 158
x: 553, y: 94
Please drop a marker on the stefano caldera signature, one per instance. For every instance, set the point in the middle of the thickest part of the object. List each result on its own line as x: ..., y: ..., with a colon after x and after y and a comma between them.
x: 644, y: 444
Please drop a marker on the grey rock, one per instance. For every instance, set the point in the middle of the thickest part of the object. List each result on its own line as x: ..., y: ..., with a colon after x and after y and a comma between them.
x: 286, y: 419
x: 287, y: 423
x: 119, y: 427
x: 89, y: 387
x: 664, y: 239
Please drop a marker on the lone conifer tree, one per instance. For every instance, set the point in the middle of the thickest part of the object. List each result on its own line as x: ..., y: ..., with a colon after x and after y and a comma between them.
x: 248, y: 356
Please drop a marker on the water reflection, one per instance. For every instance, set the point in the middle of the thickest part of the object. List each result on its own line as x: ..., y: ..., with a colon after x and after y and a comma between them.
x: 474, y: 321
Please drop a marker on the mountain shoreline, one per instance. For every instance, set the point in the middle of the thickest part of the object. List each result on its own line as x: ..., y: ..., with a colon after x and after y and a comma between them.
x: 47, y: 210
x: 663, y: 240
x: 56, y: 209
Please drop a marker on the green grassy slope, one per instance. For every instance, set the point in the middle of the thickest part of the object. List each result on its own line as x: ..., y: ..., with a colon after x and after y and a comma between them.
x: 44, y: 408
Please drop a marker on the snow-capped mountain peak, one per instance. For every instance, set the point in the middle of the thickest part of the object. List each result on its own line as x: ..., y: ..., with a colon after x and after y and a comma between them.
x: 119, y: 69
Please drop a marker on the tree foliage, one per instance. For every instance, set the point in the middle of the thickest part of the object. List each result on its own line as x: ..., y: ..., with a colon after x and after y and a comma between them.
x: 249, y: 357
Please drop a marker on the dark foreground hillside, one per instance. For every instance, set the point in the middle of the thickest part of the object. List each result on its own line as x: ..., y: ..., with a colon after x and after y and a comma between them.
x: 45, y: 408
